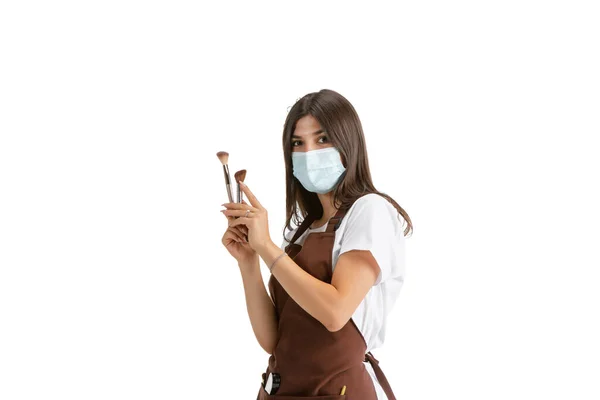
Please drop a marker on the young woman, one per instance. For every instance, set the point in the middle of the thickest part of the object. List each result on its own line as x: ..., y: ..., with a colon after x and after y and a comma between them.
x: 336, y: 275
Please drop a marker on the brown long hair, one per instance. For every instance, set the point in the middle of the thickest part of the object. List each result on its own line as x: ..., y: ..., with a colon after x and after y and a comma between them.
x: 340, y: 121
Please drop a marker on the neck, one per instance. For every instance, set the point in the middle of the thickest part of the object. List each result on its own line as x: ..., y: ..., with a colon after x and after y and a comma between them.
x: 329, y: 209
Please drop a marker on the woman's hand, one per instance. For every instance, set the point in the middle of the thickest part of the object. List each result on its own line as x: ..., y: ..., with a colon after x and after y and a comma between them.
x: 253, y: 216
x: 234, y: 240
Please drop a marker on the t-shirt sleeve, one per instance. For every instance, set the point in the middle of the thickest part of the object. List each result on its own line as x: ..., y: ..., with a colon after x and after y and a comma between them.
x: 373, y: 226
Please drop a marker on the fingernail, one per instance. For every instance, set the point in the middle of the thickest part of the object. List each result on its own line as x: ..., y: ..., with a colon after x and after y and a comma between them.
x: 242, y: 183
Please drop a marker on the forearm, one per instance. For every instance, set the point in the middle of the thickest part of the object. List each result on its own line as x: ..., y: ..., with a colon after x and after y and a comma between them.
x: 318, y: 298
x: 260, y: 307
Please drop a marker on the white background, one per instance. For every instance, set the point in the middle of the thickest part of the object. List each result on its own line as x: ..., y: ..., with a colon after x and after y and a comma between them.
x: 480, y: 119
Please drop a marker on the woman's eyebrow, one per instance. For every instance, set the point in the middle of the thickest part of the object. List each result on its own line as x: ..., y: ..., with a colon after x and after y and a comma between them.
x: 314, y: 133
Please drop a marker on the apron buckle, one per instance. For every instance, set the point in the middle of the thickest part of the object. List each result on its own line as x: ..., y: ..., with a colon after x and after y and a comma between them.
x: 273, y: 382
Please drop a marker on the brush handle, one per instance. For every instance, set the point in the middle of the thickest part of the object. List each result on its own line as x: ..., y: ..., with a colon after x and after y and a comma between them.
x: 229, y: 192
x: 239, y: 193
x: 240, y: 196
x: 227, y: 182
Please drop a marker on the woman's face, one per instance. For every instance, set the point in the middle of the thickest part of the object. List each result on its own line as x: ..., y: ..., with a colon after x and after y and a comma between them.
x: 309, y: 135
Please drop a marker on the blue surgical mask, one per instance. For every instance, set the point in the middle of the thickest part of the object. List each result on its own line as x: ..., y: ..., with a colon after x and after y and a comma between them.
x: 319, y: 171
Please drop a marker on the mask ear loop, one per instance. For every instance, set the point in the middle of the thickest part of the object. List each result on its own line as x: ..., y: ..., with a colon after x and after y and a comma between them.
x: 342, y: 176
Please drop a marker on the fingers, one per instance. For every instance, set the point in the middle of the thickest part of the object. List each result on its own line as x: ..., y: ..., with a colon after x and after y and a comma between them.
x: 241, y: 229
x: 239, y: 206
x: 244, y: 228
x: 253, y: 200
x: 235, y: 213
x: 237, y: 234
x: 240, y: 235
x: 238, y: 221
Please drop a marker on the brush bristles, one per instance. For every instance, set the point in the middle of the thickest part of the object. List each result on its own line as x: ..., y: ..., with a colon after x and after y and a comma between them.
x: 223, y: 157
x: 240, y: 175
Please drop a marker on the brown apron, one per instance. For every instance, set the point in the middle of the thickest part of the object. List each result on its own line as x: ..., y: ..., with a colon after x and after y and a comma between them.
x: 313, y: 362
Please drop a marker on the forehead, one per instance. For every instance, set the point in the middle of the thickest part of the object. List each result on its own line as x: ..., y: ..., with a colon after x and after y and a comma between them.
x: 306, y: 126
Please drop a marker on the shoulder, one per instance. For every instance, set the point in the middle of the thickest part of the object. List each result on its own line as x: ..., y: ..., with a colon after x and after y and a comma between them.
x: 373, y: 211
x: 373, y: 223
x: 371, y: 198
x: 372, y: 204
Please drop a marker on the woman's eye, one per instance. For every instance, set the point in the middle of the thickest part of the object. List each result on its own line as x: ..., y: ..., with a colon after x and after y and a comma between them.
x: 298, y: 141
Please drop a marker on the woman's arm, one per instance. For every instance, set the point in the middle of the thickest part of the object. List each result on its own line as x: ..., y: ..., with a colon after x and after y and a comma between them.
x: 259, y: 305
x: 331, y: 304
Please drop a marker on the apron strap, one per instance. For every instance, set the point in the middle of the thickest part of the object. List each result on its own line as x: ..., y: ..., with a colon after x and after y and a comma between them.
x: 336, y: 220
x: 380, y: 376
x: 333, y: 224
x: 309, y: 219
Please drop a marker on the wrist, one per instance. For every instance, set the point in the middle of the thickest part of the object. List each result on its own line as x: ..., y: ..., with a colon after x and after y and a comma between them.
x: 249, y: 264
x: 263, y: 249
x: 271, y: 254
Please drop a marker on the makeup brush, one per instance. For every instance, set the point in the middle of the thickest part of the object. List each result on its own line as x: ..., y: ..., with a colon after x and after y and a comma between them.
x: 224, y: 158
x: 239, y: 177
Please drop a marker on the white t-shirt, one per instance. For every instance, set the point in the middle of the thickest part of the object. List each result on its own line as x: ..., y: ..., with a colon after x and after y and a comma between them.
x: 372, y: 223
